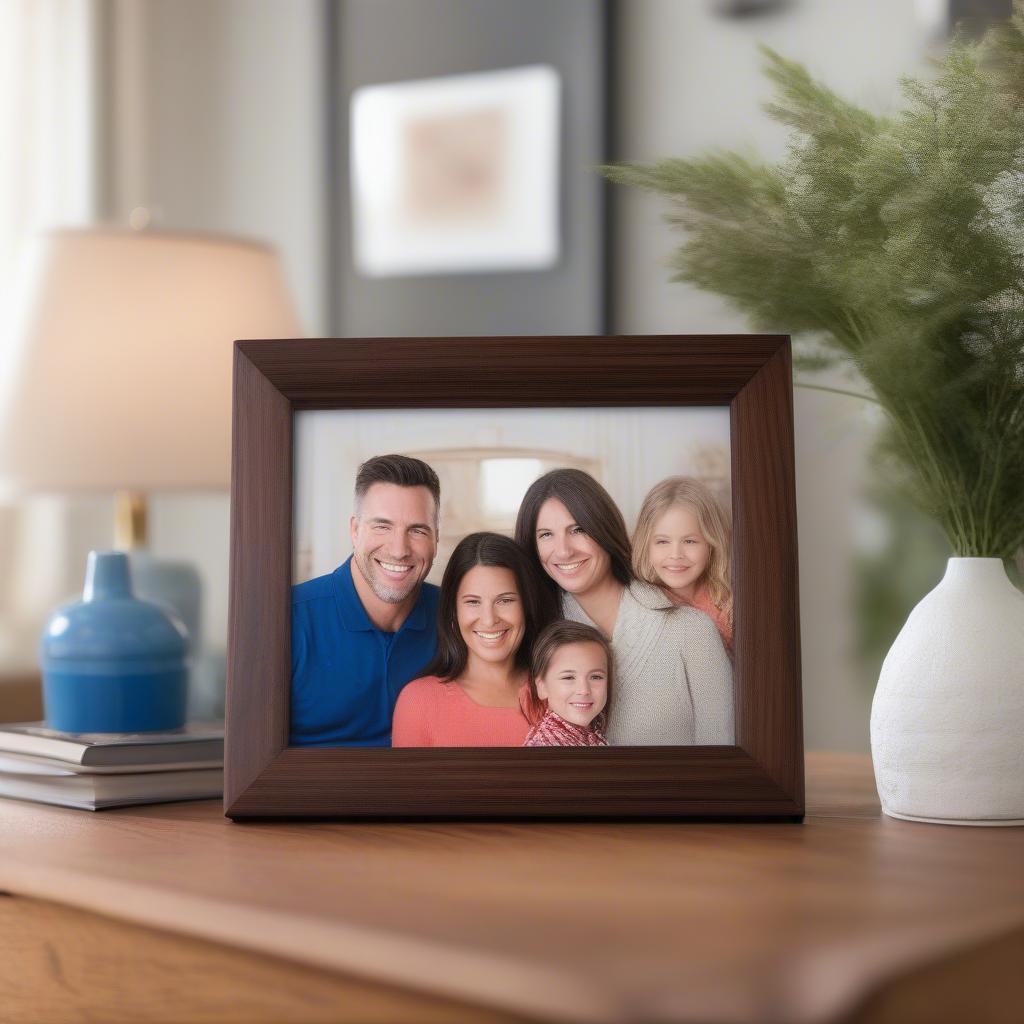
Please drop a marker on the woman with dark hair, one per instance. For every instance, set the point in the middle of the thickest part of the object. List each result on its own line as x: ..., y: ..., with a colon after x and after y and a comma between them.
x: 673, y: 676
x: 475, y: 692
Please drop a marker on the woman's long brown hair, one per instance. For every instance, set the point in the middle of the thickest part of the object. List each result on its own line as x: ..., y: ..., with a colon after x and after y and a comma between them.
x: 592, y: 508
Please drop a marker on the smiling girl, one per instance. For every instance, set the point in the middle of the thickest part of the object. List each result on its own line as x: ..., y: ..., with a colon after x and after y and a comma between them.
x: 571, y: 680
x: 475, y: 692
x: 682, y: 543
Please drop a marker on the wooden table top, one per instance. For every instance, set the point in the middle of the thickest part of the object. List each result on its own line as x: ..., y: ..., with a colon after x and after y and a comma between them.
x: 589, y: 922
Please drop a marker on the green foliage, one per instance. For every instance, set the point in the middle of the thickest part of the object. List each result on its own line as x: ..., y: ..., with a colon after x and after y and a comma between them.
x: 895, y: 246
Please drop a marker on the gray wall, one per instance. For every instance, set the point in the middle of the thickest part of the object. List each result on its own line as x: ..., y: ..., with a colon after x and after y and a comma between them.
x: 220, y: 126
x: 400, y: 40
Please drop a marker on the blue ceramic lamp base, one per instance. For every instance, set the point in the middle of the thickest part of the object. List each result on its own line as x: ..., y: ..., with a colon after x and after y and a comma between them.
x: 112, y: 662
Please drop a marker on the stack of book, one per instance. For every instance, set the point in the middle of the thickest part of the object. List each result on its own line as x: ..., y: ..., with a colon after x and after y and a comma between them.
x: 97, y: 770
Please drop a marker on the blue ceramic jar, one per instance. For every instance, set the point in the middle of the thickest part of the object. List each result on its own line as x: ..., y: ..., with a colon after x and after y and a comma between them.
x: 112, y: 662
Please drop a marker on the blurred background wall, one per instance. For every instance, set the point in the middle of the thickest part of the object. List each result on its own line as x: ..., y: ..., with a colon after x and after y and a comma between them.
x: 221, y: 116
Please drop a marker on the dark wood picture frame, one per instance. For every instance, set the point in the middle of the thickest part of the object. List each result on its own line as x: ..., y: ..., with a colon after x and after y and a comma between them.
x: 760, y: 777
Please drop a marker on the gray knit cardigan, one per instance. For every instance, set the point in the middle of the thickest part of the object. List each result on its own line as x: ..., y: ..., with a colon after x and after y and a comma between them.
x: 673, y: 678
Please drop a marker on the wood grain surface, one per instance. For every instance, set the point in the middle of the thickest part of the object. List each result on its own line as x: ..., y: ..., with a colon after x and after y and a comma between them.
x: 510, y: 372
x: 980, y: 985
x: 766, y: 610
x: 580, y: 922
x: 259, y: 597
x: 60, y: 964
x: 760, y: 777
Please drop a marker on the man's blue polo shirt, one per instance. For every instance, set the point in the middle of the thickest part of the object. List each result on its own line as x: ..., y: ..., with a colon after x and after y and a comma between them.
x: 346, y: 673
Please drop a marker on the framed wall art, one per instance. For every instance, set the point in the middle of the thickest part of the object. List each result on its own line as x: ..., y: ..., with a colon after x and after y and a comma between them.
x: 462, y: 140
x: 366, y: 606
x: 456, y: 174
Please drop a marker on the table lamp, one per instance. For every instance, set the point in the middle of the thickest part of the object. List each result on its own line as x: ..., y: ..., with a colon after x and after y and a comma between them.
x: 118, y: 376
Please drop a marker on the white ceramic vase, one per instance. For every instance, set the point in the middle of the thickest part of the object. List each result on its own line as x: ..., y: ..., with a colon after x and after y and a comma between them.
x: 947, y: 722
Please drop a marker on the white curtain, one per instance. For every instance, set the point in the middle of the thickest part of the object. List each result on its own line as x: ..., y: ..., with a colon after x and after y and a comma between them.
x: 47, y: 104
x: 48, y: 178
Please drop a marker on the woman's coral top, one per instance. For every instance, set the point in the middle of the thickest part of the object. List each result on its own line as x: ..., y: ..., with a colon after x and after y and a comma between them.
x: 431, y: 713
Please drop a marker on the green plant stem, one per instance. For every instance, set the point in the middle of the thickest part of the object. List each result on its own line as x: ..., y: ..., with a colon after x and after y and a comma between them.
x: 956, y: 530
x: 836, y: 391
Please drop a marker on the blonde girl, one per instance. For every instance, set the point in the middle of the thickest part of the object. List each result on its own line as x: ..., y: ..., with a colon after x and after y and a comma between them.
x: 683, y: 544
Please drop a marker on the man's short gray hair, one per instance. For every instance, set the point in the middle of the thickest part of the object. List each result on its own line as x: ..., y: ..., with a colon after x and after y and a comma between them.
x: 402, y: 470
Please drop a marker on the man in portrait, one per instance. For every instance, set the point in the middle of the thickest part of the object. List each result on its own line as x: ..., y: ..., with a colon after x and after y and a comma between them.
x: 360, y: 633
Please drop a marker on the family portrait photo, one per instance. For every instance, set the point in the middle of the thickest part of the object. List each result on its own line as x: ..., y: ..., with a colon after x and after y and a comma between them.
x: 512, y: 578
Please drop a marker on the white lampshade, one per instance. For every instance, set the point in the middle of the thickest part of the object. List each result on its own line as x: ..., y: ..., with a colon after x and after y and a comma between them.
x: 120, y: 377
